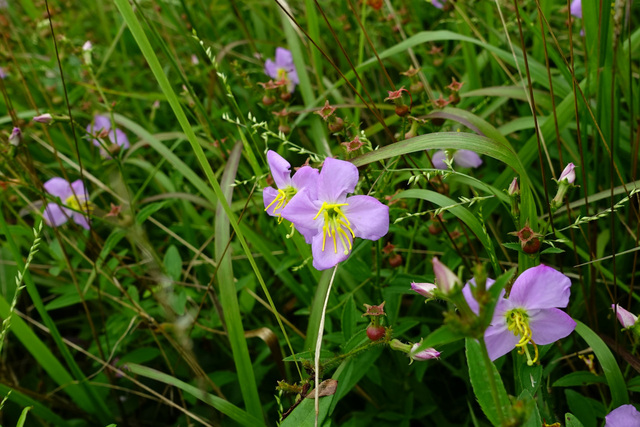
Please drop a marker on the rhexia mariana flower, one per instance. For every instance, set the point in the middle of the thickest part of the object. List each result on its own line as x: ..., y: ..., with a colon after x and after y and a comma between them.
x: 438, y: 3
x: 424, y: 289
x: 288, y: 186
x: 462, y: 158
x: 623, y: 416
x: 102, y: 124
x: 626, y: 318
x: 282, y: 68
x: 426, y: 354
x: 332, y: 220
x: 75, y: 203
x: 446, y: 280
x: 576, y: 8
x: 43, y: 118
x: 568, y: 174
x: 530, y: 314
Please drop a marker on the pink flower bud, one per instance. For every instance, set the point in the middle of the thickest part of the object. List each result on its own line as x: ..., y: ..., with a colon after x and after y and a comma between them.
x: 626, y: 319
x: 446, y: 280
x: 424, y: 289
x: 426, y: 354
x: 514, y: 188
x: 16, y: 137
x: 568, y: 174
x: 87, y: 46
x: 43, y: 118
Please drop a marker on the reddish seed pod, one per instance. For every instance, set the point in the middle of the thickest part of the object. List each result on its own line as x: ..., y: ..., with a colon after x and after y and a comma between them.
x: 337, y: 125
x: 268, y: 100
x: 402, y: 110
x: 532, y: 246
x: 285, y: 96
x: 395, y: 261
x: 375, y: 333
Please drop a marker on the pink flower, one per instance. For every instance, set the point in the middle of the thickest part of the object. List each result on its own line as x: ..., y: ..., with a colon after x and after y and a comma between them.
x: 331, y: 220
x: 43, y: 118
x: 462, y: 158
x: 102, y: 128
x: 623, y: 416
x: 568, y: 174
x: 75, y: 203
x: 576, y: 8
x: 530, y: 314
x: 446, y: 280
x: 426, y: 354
x: 626, y: 319
x: 283, y: 68
x: 16, y: 137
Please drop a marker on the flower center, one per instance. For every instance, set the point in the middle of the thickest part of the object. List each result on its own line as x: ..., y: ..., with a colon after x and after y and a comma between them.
x: 281, y: 200
x: 79, y: 203
x: 518, y: 323
x: 336, y: 226
x: 282, y: 74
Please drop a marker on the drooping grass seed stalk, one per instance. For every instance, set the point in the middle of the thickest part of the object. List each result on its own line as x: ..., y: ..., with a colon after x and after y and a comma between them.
x: 316, y: 360
x: 6, y: 324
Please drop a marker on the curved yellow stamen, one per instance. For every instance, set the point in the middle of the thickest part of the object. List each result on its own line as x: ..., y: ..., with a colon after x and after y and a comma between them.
x: 336, y: 226
x: 280, y: 201
x: 518, y: 323
x: 79, y: 203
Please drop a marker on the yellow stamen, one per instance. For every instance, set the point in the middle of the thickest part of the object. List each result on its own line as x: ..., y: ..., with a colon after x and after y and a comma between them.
x: 335, y: 226
x: 281, y: 200
x: 79, y: 203
x: 518, y: 323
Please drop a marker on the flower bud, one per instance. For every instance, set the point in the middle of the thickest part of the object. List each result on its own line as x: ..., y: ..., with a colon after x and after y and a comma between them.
x: 514, y: 188
x: 87, y: 47
x: 15, y: 138
x: 424, y: 289
x: 626, y: 319
x: 568, y: 174
x: 43, y: 118
x: 446, y: 280
x: 426, y: 354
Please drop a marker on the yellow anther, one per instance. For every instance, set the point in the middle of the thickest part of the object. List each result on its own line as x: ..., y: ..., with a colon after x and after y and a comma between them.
x: 518, y: 323
x: 79, y: 203
x: 335, y: 223
x: 281, y: 200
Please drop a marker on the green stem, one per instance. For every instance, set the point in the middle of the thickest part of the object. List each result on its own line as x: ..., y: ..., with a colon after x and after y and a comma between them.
x: 319, y: 345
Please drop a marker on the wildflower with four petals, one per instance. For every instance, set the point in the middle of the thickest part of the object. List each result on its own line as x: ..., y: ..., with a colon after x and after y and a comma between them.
x: 283, y: 68
x: 75, y: 203
x: 332, y: 220
x: 102, y: 124
x: 288, y: 186
x: 530, y: 315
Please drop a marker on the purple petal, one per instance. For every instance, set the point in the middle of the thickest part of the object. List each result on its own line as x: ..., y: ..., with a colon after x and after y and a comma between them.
x: 78, y: 189
x: 337, y: 179
x: 471, y: 301
x: 576, y: 8
x: 467, y: 159
x: 58, y: 187
x: 424, y: 289
x: 55, y: 215
x: 270, y: 69
x: 623, y: 416
x: 331, y: 255
x: 101, y: 122
x: 284, y: 58
x: 438, y: 159
x: 80, y: 219
x: 268, y: 196
x: 498, y: 338
x: 292, y: 74
x: 306, y: 177
x: 368, y: 217
x: 301, y: 210
x: 626, y: 318
x: 279, y: 169
x: 548, y: 325
x: 541, y: 287
x: 437, y: 4
x: 119, y: 138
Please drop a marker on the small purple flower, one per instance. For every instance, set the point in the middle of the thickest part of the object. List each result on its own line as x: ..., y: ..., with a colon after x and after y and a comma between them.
x: 16, y: 137
x: 623, y: 416
x: 529, y: 315
x: 463, y: 158
x: 426, y: 354
x: 283, y: 68
x: 424, y: 289
x: 74, y: 198
x: 576, y: 8
x: 102, y: 125
x: 332, y: 220
x: 514, y: 188
x: 626, y: 318
x: 3, y: 73
x: 438, y: 3
x: 288, y: 186
x: 43, y: 118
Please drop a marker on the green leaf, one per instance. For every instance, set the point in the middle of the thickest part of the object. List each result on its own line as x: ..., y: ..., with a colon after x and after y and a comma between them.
x: 227, y: 408
x: 23, y: 417
x: 609, y: 365
x: 571, y: 420
x: 149, y: 210
x: 38, y: 409
x: 349, y: 318
x: 578, y: 379
x: 588, y: 409
x: 480, y: 381
x: 173, y: 262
